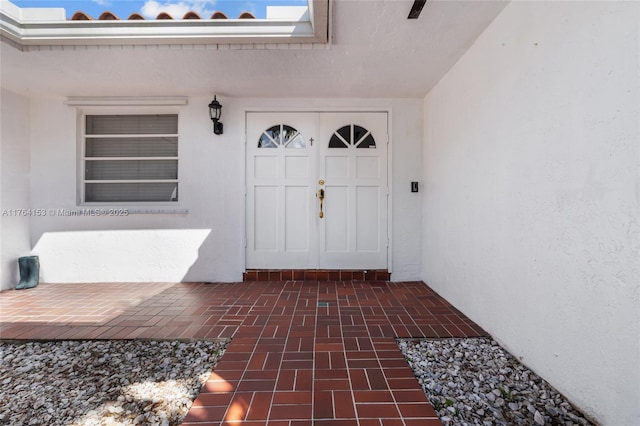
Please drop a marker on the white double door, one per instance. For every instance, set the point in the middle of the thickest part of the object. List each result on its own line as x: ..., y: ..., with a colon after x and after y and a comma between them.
x: 293, y: 159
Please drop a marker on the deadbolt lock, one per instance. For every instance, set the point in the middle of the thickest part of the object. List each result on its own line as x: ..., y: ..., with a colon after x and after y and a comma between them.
x: 321, y: 182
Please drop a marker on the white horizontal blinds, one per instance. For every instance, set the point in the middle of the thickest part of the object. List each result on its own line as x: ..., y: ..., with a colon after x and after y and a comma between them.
x: 131, y: 170
x: 157, y: 124
x: 131, y: 158
x: 131, y: 192
x: 132, y: 147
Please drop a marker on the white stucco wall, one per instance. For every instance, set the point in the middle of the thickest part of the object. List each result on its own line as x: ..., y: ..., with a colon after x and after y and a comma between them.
x: 207, y: 243
x: 14, y: 185
x: 531, y: 165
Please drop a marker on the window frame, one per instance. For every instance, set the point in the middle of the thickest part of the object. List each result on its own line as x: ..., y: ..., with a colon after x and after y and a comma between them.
x: 82, y: 157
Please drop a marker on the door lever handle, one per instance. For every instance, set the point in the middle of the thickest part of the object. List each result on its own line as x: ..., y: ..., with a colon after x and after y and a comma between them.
x: 320, y: 196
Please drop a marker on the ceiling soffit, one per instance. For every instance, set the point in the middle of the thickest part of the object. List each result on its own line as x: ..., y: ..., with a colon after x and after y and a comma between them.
x: 374, y: 52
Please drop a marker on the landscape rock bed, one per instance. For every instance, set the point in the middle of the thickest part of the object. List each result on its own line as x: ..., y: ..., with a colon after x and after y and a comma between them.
x: 476, y: 382
x: 111, y: 382
x: 115, y: 382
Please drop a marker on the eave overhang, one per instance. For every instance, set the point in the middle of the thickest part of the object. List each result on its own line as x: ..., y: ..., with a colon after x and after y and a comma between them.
x: 36, y: 31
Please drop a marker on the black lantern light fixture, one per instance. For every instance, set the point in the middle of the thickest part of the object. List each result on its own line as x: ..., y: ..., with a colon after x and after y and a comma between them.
x: 215, y: 112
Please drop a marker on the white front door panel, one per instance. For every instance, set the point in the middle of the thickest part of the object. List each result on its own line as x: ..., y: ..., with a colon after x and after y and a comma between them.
x: 281, y: 168
x: 290, y: 156
x: 352, y: 159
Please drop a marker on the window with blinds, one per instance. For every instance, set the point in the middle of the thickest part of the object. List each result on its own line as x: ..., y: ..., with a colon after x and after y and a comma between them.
x: 130, y: 158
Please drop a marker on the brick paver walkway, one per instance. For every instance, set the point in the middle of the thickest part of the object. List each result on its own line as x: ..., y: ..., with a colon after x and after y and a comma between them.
x: 301, y: 354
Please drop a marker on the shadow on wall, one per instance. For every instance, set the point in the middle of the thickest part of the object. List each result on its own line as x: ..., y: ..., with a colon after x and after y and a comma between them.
x: 150, y: 255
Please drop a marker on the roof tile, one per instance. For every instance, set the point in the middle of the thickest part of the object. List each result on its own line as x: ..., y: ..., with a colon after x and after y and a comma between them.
x: 219, y: 15
x: 81, y: 16
x: 191, y: 15
x: 108, y: 16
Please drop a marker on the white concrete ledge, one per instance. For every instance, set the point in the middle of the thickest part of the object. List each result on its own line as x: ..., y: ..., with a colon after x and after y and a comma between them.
x: 126, y: 101
x: 158, y: 211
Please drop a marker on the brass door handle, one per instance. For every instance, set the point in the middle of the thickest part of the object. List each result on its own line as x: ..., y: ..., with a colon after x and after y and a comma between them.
x: 320, y: 196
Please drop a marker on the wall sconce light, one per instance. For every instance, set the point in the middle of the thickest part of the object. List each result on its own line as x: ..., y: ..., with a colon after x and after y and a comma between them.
x: 215, y: 112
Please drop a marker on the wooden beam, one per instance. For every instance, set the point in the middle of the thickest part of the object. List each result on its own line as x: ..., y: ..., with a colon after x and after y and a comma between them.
x: 416, y: 9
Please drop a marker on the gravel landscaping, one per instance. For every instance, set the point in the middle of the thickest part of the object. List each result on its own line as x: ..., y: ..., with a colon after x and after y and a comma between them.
x: 102, y: 382
x: 476, y: 382
x: 115, y: 382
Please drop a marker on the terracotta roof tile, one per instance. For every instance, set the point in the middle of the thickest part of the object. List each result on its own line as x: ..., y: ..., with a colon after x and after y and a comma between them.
x: 108, y: 16
x: 191, y: 15
x: 219, y: 15
x: 80, y: 16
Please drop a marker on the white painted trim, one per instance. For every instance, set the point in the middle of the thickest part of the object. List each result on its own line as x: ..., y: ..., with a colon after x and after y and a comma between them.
x: 129, y: 158
x: 329, y: 109
x: 389, y: 187
x: 80, y: 154
x: 81, y: 125
x: 126, y: 101
x: 244, y: 198
x: 158, y: 211
x: 319, y: 13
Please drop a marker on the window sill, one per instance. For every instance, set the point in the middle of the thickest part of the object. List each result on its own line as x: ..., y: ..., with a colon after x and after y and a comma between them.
x: 140, y: 211
x: 121, y: 210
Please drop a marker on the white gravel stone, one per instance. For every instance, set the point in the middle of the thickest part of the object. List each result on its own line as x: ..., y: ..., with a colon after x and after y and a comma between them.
x: 110, y: 382
x: 489, y: 387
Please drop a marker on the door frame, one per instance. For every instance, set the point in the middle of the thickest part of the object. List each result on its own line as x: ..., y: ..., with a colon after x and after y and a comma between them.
x: 326, y: 109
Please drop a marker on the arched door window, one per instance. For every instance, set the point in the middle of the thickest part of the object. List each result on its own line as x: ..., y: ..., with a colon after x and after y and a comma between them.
x: 281, y: 135
x: 352, y: 136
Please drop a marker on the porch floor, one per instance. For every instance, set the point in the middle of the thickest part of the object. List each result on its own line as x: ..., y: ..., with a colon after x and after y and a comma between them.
x: 302, y: 353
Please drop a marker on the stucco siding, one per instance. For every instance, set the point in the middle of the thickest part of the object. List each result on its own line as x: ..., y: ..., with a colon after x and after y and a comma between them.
x: 14, y: 186
x: 203, y: 238
x: 530, y: 226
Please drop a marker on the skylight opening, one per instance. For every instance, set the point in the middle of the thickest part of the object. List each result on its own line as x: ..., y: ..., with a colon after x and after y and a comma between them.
x: 185, y: 22
x: 173, y: 9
